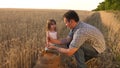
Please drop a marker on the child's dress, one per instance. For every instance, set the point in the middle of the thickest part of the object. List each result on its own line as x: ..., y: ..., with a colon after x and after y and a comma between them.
x: 52, y: 35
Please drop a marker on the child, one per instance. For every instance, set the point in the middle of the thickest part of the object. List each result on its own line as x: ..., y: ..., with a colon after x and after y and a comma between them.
x: 51, y: 31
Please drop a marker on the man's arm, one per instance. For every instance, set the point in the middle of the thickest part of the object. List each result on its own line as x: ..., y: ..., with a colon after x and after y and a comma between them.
x: 68, y: 52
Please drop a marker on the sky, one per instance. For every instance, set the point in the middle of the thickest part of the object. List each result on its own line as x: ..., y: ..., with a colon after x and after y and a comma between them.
x: 51, y: 4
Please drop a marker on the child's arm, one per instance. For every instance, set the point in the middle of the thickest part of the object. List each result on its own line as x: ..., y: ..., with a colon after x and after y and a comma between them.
x: 59, y: 42
x: 47, y: 35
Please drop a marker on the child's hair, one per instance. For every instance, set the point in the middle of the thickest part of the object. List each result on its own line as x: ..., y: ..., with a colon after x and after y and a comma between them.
x: 49, y: 23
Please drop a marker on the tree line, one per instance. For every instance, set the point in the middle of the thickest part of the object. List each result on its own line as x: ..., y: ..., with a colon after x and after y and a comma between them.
x: 108, y: 5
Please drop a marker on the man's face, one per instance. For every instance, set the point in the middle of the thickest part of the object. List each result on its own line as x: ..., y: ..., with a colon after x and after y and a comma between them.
x: 68, y: 23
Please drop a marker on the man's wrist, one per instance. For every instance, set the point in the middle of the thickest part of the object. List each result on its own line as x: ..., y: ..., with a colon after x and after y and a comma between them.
x: 56, y: 47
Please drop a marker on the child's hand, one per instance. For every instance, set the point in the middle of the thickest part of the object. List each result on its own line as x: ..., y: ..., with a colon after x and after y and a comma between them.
x: 49, y: 39
x: 46, y: 45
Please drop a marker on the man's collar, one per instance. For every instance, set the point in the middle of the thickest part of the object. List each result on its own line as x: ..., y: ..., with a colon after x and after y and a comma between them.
x: 76, y: 27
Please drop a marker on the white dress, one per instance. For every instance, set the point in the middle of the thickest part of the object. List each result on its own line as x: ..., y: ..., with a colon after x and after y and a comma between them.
x: 52, y: 35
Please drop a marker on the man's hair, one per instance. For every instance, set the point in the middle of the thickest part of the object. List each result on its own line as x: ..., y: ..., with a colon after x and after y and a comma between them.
x: 71, y: 14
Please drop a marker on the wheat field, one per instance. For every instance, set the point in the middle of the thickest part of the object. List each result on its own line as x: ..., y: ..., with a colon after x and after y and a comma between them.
x: 22, y: 36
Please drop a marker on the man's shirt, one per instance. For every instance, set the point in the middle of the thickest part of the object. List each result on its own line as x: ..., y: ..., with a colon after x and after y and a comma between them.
x: 85, y: 33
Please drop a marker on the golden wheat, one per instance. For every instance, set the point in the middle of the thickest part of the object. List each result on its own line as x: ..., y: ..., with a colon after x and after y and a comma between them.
x: 22, y: 37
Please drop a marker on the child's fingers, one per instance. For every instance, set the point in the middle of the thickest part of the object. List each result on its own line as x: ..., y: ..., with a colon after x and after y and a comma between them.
x: 46, y: 45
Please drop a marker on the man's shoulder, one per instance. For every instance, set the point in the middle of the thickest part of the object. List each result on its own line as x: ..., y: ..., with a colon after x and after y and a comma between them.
x: 87, y: 26
x: 84, y: 24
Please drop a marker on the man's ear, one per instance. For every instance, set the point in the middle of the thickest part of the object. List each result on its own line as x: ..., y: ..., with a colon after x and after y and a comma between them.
x: 71, y: 20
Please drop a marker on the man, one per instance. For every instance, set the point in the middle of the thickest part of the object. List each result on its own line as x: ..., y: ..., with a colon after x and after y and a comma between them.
x: 84, y: 41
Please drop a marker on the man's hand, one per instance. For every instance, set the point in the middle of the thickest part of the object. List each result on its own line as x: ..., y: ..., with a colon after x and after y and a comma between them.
x: 51, y: 47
